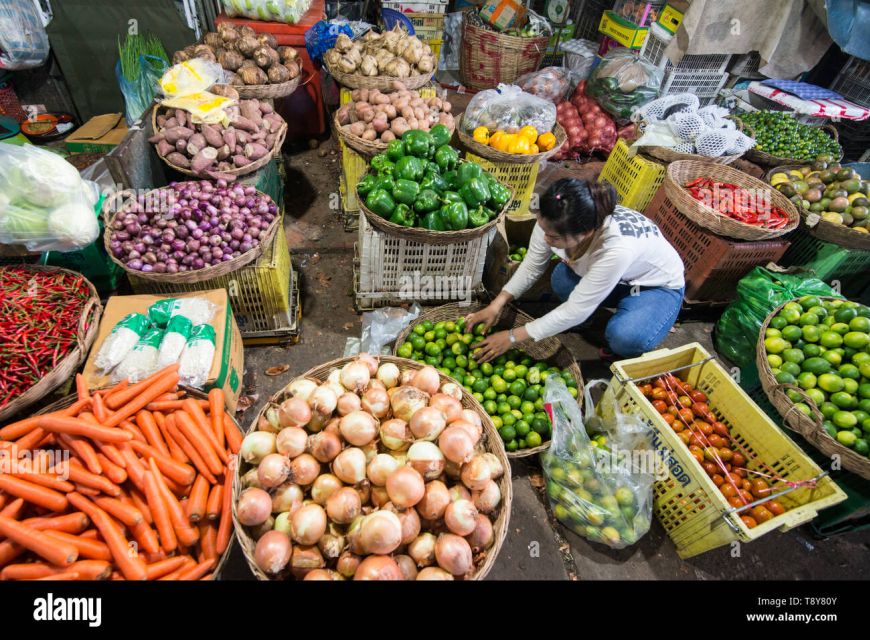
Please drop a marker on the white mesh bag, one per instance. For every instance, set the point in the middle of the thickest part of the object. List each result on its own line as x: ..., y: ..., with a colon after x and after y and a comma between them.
x: 715, y: 142
x: 686, y: 126
x: 685, y: 147
x: 665, y: 106
x: 741, y: 144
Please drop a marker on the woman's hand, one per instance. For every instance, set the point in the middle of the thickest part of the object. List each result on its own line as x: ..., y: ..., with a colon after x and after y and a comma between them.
x: 490, y: 314
x: 492, y: 347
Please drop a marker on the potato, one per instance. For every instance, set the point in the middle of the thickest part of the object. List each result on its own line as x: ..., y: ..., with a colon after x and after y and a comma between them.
x: 361, y: 106
x: 420, y: 113
x: 388, y: 136
x: 368, y: 115
x: 380, y: 124
x: 357, y: 129
x: 407, y: 113
x: 343, y: 114
x: 354, y: 95
x: 399, y: 126
x: 390, y: 110
x: 370, y: 135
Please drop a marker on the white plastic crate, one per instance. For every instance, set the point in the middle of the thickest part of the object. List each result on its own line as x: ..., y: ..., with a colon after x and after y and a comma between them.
x: 391, y: 270
x: 431, y: 6
x: 654, y: 52
x: 853, y: 82
x: 704, y: 84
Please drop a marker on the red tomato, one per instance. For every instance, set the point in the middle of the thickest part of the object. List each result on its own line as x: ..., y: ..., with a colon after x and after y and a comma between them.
x: 749, y: 521
x: 680, y: 427
x: 747, y: 497
x: 740, y: 472
x: 710, y: 468
x: 646, y: 390
x: 735, y: 502
x: 698, y: 396
x: 738, y: 459
x: 659, y: 383
x: 716, y: 441
x: 686, y: 415
x: 761, y: 514
x: 717, y: 479
x: 696, y: 441
x: 760, y: 488
x: 660, y: 406
x: 721, y: 428
x: 659, y: 394
x: 684, y: 401
x: 705, y: 427
x: 728, y: 490
x: 726, y: 454
x: 685, y: 436
x: 774, y: 507
x: 669, y: 418
x: 674, y: 411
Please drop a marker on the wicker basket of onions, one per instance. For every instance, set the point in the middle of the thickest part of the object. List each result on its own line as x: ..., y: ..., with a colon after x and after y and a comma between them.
x: 372, y: 469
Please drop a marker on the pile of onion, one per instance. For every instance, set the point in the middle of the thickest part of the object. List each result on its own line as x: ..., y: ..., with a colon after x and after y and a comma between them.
x: 396, y: 485
x: 588, y: 126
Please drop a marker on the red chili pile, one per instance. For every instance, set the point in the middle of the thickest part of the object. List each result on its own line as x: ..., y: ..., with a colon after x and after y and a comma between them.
x: 743, y: 205
x: 39, y: 319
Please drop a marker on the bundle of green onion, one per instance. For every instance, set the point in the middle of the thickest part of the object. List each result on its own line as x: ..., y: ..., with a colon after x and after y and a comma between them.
x: 133, y: 48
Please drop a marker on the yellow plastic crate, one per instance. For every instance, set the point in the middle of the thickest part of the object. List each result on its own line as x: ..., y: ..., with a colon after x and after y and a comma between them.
x: 259, y: 292
x: 635, y: 179
x: 426, y: 20
x: 519, y: 177
x: 435, y: 45
x: 353, y: 168
x: 350, y: 217
x: 690, y: 507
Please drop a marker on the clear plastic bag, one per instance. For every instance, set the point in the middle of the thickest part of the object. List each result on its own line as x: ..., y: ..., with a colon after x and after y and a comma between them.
x: 178, y: 330
x: 623, y: 82
x: 603, y: 493
x: 288, y: 11
x: 139, y: 93
x: 197, y: 356
x: 141, y: 361
x: 124, y: 336
x: 44, y: 203
x: 23, y: 40
x: 550, y: 83
x: 197, y: 310
x: 382, y: 326
x: 508, y: 108
x: 579, y: 56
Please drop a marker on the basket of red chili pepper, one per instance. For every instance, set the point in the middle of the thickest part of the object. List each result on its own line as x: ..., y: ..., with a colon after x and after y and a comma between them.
x: 729, y: 202
x: 48, y: 322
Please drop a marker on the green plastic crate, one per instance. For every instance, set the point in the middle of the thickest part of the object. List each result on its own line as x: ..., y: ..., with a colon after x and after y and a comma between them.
x: 829, y: 262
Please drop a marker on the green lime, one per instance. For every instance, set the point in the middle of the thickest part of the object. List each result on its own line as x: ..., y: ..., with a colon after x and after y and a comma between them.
x: 514, y: 402
x: 406, y: 350
x: 772, y: 333
x: 467, y: 338
x: 864, y: 404
x: 541, y: 426
x: 498, y: 384
x: 828, y: 409
x: 816, y: 365
x: 429, y: 336
x: 778, y: 322
x: 830, y: 382
x: 861, y: 446
x: 850, y: 386
x: 804, y: 408
x: 865, y: 426
x: 791, y: 367
x: 816, y: 395
x: 418, y: 342
x: 486, y: 369
x: 811, y: 333
x: 445, y: 371
x: 533, y: 439
x: 461, y: 362
x: 774, y: 361
x: 776, y: 345
x: 512, y: 446
x: 419, y: 329
x: 502, y: 397
x: 539, y: 403
x: 531, y: 394
x: 833, y: 357
x: 812, y: 350
x: 791, y: 315
x: 490, y: 406
x: 527, y: 408
x: 864, y: 390
x: 846, y: 438
x: 840, y: 328
x: 850, y: 371
x: 432, y: 360
x: 856, y: 339
x: 808, y: 319
x: 792, y: 333
x: 522, y: 371
x: 489, y: 394
x: 496, y: 422
x: 830, y: 428
x: 480, y: 385
x: 478, y: 396
x: 844, y: 400
x: 469, y: 380
x: 830, y: 339
x: 451, y: 339
x: 793, y: 355
x: 459, y: 348
x: 518, y: 388
x: 459, y: 374
x: 860, y: 416
x: 504, y: 407
x: 860, y: 323
x: 819, y: 311
x: 845, y: 315
x: 807, y: 380
x: 507, y: 433
x: 449, y: 362
x: 432, y: 349
x: 440, y: 334
x: 808, y: 302
x: 510, y: 374
x: 517, y: 414
x: 508, y: 419
x: 450, y: 326
x: 783, y: 377
x: 572, y: 391
x: 522, y: 428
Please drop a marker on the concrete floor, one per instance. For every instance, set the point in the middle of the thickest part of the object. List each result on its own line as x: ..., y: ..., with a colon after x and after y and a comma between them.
x: 536, y: 546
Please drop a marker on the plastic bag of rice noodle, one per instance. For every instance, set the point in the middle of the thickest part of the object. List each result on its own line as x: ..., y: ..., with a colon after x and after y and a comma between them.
x: 121, y: 341
x: 141, y: 362
x: 178, y: 330
x: 197, y: 357
x: 197, y: 310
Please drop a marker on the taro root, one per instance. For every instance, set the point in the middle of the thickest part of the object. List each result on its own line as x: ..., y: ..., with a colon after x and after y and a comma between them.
x: 278, y: 73
x: 265, y: 57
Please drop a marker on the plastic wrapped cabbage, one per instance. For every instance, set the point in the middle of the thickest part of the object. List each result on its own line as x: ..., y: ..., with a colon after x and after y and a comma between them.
x: 44, y: 203
x: 289, y: 11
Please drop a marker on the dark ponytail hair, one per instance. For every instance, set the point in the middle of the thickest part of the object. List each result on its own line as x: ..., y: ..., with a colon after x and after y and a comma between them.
x: 576, y: 207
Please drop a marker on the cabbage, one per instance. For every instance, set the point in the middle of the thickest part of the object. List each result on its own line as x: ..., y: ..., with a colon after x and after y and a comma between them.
x: 22, y: 223
x: 42, y: 178
x: 74, y: 225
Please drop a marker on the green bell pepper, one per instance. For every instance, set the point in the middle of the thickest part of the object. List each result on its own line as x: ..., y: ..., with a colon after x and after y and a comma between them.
x: 406, y: 191
x: 433, y: 221
x: 365, y: 185
x: 466, y: 172
x: 402, y: 215
x: 455, y: 216
x: 417, y: 143
x: 387, y: 168
x: 450, y: 179
x: 431, y: 166
x: 381, y: 202
x: 478, y: 217
x: 440, y: 135
x: 475, y: 192
x: 428, y: 183
x: 410, y: 168
x: 451, y: 196
x: 387, y: 183
x: 379, y: 161
x: 499, y: 195
x: 427, y: 201
x: 438, y: 183
x: 446, y: 157
x: 395, y: 150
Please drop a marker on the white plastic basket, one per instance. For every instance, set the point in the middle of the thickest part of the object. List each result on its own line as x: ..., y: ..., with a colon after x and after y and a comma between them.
x: 394, y: 270
x: 431, y: 6
x: 853, y: 82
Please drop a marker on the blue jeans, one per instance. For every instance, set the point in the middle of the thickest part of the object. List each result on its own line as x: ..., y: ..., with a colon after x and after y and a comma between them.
x: 641, y: 321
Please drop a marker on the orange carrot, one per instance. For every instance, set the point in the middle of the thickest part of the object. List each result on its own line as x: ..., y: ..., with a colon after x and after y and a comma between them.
x: 33, y: 493
x: 77, y: 427
x: 100, y: 411
x: 31, y: 441
x: 186, y: 534
x: 138, y: 500
x: 60, y: 553
x: 69, y: 523
x: 160, y: 513
x: 63, y: 576
x: 128, y: 514
x: 164, y: 381
x: 180, y: 473
x: 188, y: 564
x: 175, y: 449
x: 198, y: 500
x: 112, y: 453
x: 86, y: 547
x: 135, y: 470
x: 13, y: 509
x: 199, y: 440
x: 3, y: 500
x: 215, y: 502
x: 197, y: 572
x: 45, y: 480
x: 82, y: 387
x: 195, y: 411
x: 225, y: 528
x: 78, y: 474
x: 232, y: 433
x: 216, y: 413
x: 87, y: 491
x: 131, y: 567
x: 148, y: 425
x: 208, y: 541
x: 112, y: 471
x: 120, y: 387
x: 208, y: 576
x: 116, y: 401
x: 21, y: 428
x: 163, y: 567
x: 146, y: 538
x: 9, y: 551
x: 134, y: 431
x: 174, y: 405
x: 87, y: 570
x: 83, y: 450
x: 189, y: 449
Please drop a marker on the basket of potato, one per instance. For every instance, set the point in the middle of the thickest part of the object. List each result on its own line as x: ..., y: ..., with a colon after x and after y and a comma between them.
x: 256, y: 66
x: 376, y: 59
x: 372, y: 118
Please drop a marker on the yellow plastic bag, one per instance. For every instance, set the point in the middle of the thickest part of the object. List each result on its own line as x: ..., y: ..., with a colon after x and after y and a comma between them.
x: 204, y: 107
x: 185, y: 85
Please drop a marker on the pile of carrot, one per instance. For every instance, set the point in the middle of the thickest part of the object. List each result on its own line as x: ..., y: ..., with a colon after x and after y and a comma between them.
x: 145, y: 493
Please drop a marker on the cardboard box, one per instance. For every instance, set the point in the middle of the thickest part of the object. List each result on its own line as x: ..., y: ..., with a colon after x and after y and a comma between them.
x: 624, y: 31
x: 500, y: 268
x: 228, y: 367
x: 100, y: 133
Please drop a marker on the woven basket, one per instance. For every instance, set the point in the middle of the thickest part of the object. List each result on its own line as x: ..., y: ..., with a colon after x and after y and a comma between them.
x: 809, y: 427
x: 485, y: 151
x: 425, y: 236
x: 364, y: 147
x: 381, y: 83
x: 238, y: 171
x: 488, y: 58
x: 268, y: 91
x: 683, y: 171
x: 186, y: 277
x: 758, y: 156
x: 548, y: 349
x: 667, y: 154
x: 827, y: 231
x: 66, y: 367
x: 491, y: 443
x: 63, y: 403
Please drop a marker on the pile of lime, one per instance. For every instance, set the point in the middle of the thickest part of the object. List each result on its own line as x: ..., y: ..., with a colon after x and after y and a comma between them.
x: 518, y: 253
x: 510, y: 388
x: 823, y: 346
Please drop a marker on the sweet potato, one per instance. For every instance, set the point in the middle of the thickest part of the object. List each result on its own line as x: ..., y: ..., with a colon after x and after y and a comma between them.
x: 266, y: 107
x: 181, y: 117
x: 269, y: 140
x: 243, y: 123
x: 181, y: 145
x: 203, y: 159
x: 250, y: 110
x: 178, y: 159
x: 212, y: 136
x: 229, y: 136
x: 157, y: 137
x: 255, y: 151
x: 161, y: 121
x: 241, y: 161
x: 163, y: 148
x: 175, y: 134
x: 223, y: 152
x: 196, y: 143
